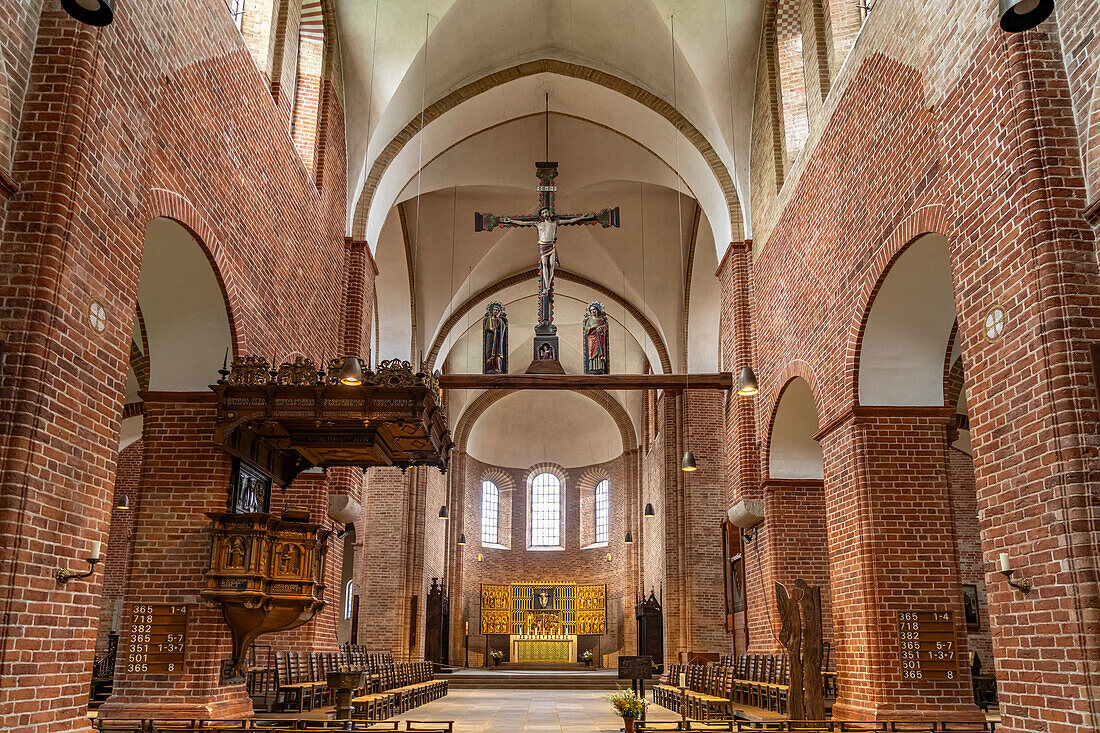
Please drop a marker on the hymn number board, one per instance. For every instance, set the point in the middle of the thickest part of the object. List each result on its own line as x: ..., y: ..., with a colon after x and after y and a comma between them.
x: 158, y: 638
x: 928, y: 645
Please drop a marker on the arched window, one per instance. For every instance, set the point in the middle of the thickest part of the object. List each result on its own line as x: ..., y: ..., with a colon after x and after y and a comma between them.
x: 545, y: 512
x: 490, y: 513
x: 601, y: 510
x: 307, y: 86
x: 347, y: 599
x: 792, y: 78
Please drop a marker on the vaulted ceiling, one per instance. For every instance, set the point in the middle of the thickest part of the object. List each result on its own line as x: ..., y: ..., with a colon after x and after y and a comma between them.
x: 670, y: 150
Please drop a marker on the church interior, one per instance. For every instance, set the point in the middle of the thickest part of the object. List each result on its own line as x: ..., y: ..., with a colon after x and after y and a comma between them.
x: 550, y: 365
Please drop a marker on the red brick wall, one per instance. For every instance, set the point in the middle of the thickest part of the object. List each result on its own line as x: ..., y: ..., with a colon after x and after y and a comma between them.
x: 116, y: 554
x: 940, y: 123
x: 163, y: 113
x: 380, y: 570
x: 964, y: 503
x: 185, y: 475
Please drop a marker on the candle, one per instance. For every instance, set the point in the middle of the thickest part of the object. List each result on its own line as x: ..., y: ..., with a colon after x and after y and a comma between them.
x: 94, y: 555
x: 683, y: 680
x: 1004, y: 562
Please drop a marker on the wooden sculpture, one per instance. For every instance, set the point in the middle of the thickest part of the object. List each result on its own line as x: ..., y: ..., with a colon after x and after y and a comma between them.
x: 800, y: 614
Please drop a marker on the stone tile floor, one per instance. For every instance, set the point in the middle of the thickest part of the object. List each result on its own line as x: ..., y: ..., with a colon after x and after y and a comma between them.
x: 528, y: 711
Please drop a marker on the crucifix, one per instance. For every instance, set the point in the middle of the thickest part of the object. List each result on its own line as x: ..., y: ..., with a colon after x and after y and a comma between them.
x: 546, y: 221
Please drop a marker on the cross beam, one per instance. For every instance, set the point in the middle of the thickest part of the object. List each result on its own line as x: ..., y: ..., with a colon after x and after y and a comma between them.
x: 673, y: 382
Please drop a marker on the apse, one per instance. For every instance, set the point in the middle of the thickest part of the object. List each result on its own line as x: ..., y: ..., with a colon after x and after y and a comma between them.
x: 530, y: 427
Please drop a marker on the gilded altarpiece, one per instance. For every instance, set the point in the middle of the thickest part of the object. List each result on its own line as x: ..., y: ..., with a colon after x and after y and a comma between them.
x: 526, y: 609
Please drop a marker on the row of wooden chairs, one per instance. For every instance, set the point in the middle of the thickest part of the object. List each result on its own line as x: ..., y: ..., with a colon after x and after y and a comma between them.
x: 708, y: 692
x: 819, y: 726
x: 400, y: 688
x: 755, y: 680
x: 270, y: 726
x: 359, y: 657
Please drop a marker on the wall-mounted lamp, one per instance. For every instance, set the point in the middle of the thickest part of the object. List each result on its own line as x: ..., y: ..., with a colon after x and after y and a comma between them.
x: 649, y: 513
x: 629, y: 539
x: 351, y: 373
x: 688, y: 464
x: 746, y: 383
x: 1023, y: 15
x: 64, y: 576
x: 609, y: 557
x: 443, y: 512
x: 90, y: 12
x: 1023, y: 584
x: 480, y: 557
x: 123, y: 502
x: 461, y: 539
x: 746, y: 535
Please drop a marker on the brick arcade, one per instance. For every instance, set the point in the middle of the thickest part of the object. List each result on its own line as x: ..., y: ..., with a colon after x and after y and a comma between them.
x: 889, y: 212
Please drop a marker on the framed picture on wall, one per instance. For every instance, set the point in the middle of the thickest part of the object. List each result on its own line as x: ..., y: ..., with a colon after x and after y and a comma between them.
x: 970, y: 606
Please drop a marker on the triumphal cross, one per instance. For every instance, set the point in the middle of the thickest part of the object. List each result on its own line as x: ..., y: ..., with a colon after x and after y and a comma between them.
x: 546, y: 221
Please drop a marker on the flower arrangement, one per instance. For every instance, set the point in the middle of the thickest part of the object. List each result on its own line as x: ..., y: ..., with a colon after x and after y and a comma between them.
x: 586, y: 656
x: 627, y: 704
x: 497, y: 654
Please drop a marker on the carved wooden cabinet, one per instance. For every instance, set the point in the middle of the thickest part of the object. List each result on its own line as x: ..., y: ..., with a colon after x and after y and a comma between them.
x: 267, y: 574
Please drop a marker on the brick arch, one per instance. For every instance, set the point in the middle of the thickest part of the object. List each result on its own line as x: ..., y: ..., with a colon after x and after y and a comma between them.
x: 531, y: 68
x: 162, y: 203
x: 796, y: 369
x: 562, y: 274
x: 790, y: 375
x: 929, y: 219
x: 592, y: 476
x: 498, y: 476
x: 1092, y: 144
x: 486, y: 399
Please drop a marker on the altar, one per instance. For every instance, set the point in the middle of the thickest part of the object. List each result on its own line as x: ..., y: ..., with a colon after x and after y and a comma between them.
x: 559, y: 648
x: 543, y: 621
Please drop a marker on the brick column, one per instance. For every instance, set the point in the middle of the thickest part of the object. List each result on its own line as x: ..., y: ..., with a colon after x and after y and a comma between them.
x: 790, y: 543
x: 380, y: 571
x: 892, y: 548
x: 185, y: 476
x: 63, y: 381
x: 360, y: 273
x: 736, y: 345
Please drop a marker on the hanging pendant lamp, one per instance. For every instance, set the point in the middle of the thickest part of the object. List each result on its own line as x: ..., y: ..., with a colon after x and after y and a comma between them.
x: 629, y: 539
x: 123, y: 502
x: 688, y: 464
x: 90, y: 12
x: 1023, y: 15
x: 649, y: 513
x: 443, y: 512
x: 461, y: 539
x: 351, y: 373
x: 746, y: 383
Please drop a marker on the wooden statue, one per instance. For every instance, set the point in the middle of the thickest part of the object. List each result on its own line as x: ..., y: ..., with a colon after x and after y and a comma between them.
x: 494, y: 340
x: 597, y: 337
x: 800, y: 615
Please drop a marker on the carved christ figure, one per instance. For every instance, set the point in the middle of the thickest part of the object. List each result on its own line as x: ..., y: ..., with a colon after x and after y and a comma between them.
x: 547, y: 224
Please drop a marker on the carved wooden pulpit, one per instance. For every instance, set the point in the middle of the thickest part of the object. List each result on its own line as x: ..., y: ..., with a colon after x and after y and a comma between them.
x: 267, y: 574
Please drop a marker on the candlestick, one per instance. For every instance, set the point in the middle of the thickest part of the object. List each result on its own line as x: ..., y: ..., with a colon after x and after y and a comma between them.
x: 94, y: 554
x: 1004, y: 562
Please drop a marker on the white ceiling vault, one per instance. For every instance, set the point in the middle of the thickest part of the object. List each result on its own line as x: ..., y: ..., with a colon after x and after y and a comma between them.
x: 607, y: 67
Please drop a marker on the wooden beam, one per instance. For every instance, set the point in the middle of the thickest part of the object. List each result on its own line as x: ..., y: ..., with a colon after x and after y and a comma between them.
x: 674, y: 382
